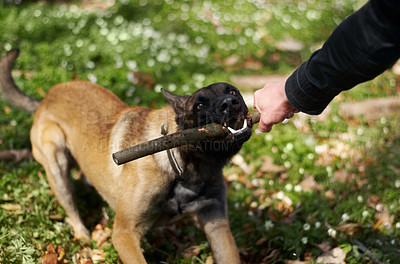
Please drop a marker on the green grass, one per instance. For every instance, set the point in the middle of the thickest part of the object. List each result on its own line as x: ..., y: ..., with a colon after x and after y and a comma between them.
x: 134, y: 49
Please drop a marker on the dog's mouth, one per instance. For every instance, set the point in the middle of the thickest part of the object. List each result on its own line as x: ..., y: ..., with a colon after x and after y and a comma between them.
x: 237, y: 126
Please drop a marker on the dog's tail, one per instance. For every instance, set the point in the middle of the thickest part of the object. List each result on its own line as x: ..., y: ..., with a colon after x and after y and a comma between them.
x: 9, y: 90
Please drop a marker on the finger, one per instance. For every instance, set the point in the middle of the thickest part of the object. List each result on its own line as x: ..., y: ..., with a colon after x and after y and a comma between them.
x: 290, y: 115
x: 262, y: 126
x: 255, y: 101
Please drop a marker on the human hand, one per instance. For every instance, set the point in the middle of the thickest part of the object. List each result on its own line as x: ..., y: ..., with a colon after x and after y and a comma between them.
x: 273, y: 105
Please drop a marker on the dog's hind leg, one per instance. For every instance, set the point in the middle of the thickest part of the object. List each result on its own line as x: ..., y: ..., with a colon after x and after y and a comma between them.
x: 49, y: 148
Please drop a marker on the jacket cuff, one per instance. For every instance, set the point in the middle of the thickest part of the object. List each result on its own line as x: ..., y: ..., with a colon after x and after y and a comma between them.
x: 303, y: 95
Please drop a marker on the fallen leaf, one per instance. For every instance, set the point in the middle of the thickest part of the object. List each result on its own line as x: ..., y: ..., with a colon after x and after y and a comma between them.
x: 61, y: 253
x: 209, y: 260
x: 330, y: 194
x: 192, y: 251
x: 252, y: 64
x: 98, y: 255
x: 57, y: 216
x: 373, y: 201
x: 341, y: 176
x: 308, y: 184
x: 231, y: 60
x: 143, y: 79
x: 269, y: 166
x: 239, y: 161
x: 261, y: 241
x: 295, y: 262
x: 350, y: 228
x: 289, y: 44
x: 334, y: 256
x: 12, y: 208
x: 100, y: 234
x: 41, y: 92
x: 383, y: 216
x: 324, y: 246
x: 7, y: 110
x: 83, y: 257
x: 51, y: 257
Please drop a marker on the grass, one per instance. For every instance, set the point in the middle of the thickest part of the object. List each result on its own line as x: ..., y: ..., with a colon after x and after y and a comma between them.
x: 337, y: 180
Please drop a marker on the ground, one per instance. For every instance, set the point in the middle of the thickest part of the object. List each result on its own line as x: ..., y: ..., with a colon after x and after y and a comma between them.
x: 319, y: 189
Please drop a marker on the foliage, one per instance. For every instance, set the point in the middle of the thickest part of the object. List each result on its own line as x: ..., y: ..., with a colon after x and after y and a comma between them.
x: 333, y: 182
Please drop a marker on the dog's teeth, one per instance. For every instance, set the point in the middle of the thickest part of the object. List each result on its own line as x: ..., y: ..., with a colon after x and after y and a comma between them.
x: 225, y: 124
x: 234, y: 131
x: 244, y: 124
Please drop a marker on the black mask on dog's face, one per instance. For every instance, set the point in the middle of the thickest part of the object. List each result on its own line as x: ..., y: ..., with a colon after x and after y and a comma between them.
x: 219, y: 103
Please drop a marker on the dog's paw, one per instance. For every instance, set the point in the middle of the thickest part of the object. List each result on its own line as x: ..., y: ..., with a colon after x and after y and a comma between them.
x: 80, y: 231
x: 82, y: 234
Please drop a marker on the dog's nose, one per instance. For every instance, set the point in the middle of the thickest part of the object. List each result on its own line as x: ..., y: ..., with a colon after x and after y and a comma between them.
x: 229, y: 104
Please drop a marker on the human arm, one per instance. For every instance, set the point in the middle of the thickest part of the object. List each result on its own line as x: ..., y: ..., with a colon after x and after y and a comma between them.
x: 360, y: 48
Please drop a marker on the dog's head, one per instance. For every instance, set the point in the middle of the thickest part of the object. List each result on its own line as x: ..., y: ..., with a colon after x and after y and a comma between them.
x: 219, y: 103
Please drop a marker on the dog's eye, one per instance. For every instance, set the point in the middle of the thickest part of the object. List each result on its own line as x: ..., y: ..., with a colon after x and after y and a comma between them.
x: 233, y: 92
x: 199, y: 106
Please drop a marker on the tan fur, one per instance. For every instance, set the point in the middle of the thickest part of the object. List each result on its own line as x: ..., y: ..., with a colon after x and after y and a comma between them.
x: 90, y: 123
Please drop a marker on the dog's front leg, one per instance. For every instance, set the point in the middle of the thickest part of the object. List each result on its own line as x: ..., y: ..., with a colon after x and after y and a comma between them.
x: 126, y: 240
x: 219, y: 235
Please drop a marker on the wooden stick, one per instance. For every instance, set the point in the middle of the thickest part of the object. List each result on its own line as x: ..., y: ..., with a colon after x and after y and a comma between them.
x: 188, y: 136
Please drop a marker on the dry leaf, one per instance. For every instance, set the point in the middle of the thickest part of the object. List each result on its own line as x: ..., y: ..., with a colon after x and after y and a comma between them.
x: 324, y: 246
x: 209, y: 260
x: 261, y: 241
x: 51, y: 257
x: 295, y: 262
x: 309, y: 184
x: 373, y: 201
x: 335, y: 256
x: 289, y: 44
x: 239, y: 161
x: 383, y: 216
x: 341, y: 176
x: 350, y: 228
x: 83, y: 257
x: 7, y: 110
x: 231, y: 60
x: 192, y: 251
x: 100, y: 234
x: 41, y: 92
x: 269, y: 166
x: 12, y: 208
x: 98, y: 255
x: 330, y: 194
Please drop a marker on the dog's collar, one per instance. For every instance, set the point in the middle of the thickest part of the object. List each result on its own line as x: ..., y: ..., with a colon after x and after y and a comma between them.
x: 174, y: 163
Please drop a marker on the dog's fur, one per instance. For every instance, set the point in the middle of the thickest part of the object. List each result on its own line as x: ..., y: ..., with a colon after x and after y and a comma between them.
x: 86, y: 122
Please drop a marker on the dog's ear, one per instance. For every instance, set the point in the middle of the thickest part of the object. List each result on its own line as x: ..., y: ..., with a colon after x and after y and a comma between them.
x: 176, y: 101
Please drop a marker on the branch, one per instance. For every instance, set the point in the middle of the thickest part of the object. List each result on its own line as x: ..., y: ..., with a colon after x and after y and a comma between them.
x: 188, y: 136
x: 15, y: 155
x: 367, y: 252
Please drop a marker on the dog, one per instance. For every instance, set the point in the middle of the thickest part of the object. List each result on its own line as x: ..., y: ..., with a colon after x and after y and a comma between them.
x: 84, y: 122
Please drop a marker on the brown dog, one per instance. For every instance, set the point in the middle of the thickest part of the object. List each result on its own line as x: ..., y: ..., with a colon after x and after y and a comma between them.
x: 85, y: 122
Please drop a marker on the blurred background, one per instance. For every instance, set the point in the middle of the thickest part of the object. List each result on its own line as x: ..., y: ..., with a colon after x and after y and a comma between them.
x: 319, y: 189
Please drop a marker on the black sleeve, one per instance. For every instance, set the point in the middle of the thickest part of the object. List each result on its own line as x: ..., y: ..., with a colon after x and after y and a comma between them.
x: 363, y: 46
